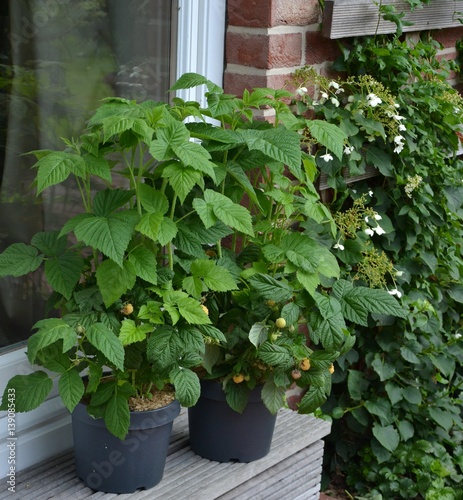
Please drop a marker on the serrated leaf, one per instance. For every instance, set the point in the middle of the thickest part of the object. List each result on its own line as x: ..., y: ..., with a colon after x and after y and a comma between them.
x: 194, y: 155
x: 182, y: 179
x: 187, y: 386
x: 192, y: 311
x: 49, y: 331
x: 388, y: 436
x: 30, y: 391
x: 215, y: 277
x: 101, y: 337
x: 280, y: 144
x: 152, y: 200
x: 312, y: 400
x: 150, y: 224
x: 130, y: 332
x: 167, y: 231
x: 113, y: 280
x: 63, y: 272
x: 110, y: 235
x: 71, y: 389
x: 19, y: 259
x: 49, y: 242
x: 117, y: 416
x: 270, y: 288
x: 144, y: 263
x: 190, y: 80
x: 273, y: 396
x: 231, y: 214
x: 237, y: 396
x: 258, y: 334
x: 328, y: 135
x: 275, y: 355
x: 98, y: 166
x: 205, y: 212
x: 290, y: 312
x: 375, y: 301
x: 56, y: 167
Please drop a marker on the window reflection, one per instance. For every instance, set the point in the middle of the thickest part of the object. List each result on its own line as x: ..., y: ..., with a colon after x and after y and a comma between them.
x: 58, y: 59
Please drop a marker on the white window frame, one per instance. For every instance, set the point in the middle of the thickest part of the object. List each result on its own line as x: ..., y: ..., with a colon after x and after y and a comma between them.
x: 46, y: 431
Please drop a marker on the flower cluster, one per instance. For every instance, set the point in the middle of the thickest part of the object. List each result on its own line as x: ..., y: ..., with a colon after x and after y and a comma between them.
x: 412, y: 184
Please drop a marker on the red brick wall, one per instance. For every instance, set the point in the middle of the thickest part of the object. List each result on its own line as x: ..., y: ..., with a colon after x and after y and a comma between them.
x: 267, y: 40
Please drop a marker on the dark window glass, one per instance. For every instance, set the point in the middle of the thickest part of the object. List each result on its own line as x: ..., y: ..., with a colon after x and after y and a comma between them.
x: 58, y: 59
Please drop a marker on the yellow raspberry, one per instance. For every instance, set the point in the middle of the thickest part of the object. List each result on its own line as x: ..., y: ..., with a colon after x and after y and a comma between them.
x: 304, y: 364
x: 331, y: 369
x: 238, y: 378
x: 205, y: 309
x: 127, y: 309
x: 280, y: 323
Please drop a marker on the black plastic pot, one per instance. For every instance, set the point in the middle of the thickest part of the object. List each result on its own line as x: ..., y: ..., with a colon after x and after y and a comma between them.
x: 106, y: 463
x: 219, y: 433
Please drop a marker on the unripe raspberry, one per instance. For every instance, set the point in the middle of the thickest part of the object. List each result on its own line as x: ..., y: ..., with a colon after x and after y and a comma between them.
x: 331, y: 369
x: 296, y: 374
x: 304, y: 364
x: 127, y: 309
x: 280, y: 323
x: 238, y: 378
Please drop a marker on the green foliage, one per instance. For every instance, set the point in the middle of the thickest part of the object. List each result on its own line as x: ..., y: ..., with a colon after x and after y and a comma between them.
x: 396, y: 399
x: 199, y: 237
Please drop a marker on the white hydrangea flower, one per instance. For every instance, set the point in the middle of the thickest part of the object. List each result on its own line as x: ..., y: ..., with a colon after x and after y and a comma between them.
x: 367, y: 220
x: 399, y: 118
x: 395, y: 292
x: 369, y: 231
x: 373, y: 100
x: 301, y: 91
x: 324, y: 95
x: 339, y: 246
x: 402, y: 127
x: 334, y: 84
x: 379, y: 230
x: 399, y: 273
x: 377, y: 216
x: 458, y: 335
x: 351, y: 98
x: 327, y: 157
x: 348, y: 150
x: 370, y: 193
x: 335, y: 101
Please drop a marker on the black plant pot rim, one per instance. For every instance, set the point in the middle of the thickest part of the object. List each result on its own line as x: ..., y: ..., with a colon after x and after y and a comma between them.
x: 139, y: 420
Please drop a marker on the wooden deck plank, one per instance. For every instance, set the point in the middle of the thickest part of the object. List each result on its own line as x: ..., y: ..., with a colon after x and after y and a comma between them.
x: 291, y: 469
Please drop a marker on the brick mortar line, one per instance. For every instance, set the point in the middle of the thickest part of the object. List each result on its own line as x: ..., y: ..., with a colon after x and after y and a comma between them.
x: 276, y: 30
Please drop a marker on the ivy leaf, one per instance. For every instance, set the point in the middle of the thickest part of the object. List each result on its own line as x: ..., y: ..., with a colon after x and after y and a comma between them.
x: 30, y: 391
x: 19, y: 259
x: 117, y: 416
x: 101, y: 337
x: 357, y: 385
x: 71, y: 389
x: 187, y: 386
x: 388, y: 436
